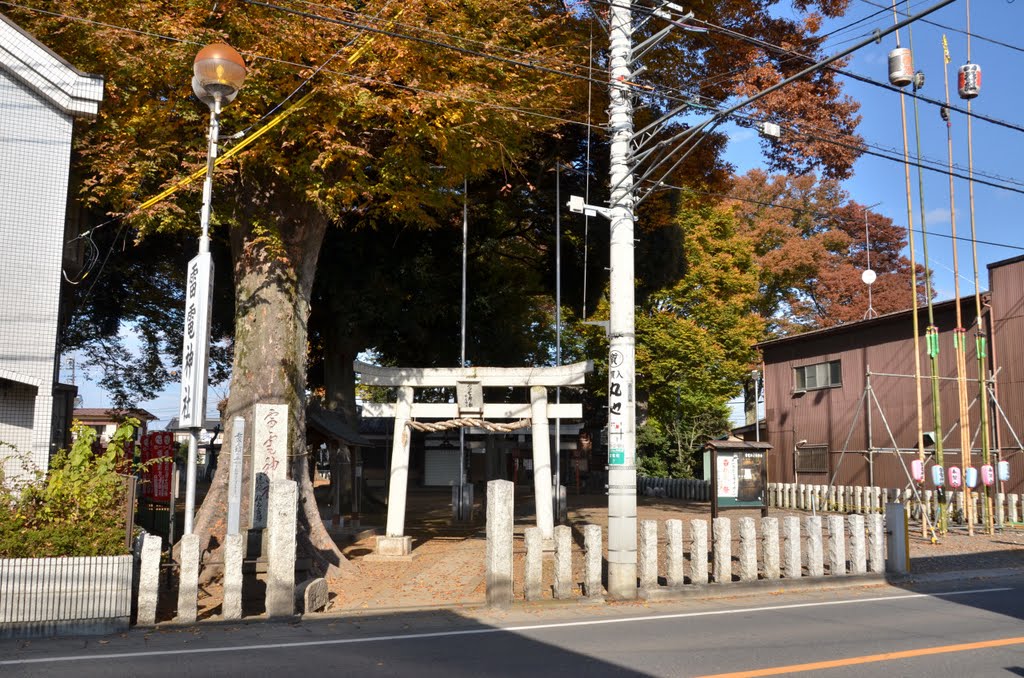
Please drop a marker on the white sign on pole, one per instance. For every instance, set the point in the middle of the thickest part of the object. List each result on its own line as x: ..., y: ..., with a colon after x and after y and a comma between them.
x: 235, y: 475
x: 194, y: 354
x: 269, y: 457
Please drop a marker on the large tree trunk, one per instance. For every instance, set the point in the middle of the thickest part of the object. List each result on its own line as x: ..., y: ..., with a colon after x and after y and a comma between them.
x: 273, y: 273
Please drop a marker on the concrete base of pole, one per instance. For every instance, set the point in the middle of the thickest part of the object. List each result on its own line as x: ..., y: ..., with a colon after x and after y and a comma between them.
x: 394, y: 547
x: 622, y: 581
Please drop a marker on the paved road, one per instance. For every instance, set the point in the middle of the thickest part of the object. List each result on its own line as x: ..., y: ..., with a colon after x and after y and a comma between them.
x: 953, y: 628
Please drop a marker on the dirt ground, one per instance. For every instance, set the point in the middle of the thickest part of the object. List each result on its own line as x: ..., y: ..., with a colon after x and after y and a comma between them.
x: 448, y: 564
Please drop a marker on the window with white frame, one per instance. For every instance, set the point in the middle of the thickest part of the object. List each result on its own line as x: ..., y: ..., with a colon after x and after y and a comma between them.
x: 819, y: 375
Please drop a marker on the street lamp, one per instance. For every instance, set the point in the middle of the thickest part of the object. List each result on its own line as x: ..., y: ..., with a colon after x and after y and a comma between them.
x: 218, y: 74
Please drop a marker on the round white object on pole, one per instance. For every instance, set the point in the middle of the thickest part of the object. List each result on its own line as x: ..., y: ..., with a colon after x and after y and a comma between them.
x: 868, y: 276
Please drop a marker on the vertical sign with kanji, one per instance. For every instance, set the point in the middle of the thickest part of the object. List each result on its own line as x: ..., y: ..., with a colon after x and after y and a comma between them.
x: 157, y: 477
x: 269, y: 458
x: 194, y: 353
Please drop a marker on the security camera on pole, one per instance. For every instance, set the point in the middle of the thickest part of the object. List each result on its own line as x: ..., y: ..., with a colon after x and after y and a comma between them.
x: 218, y: 74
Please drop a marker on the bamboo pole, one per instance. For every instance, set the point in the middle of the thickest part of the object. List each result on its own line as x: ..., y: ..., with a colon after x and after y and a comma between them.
x: 913, y: 274
x: 959, y: 334
x: 980, y: 336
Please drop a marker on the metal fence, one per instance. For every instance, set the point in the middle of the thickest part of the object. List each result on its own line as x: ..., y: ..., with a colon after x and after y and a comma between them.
x: 50, y: 596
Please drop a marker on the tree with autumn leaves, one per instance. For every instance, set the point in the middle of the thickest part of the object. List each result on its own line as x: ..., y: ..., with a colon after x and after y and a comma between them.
x: 397, y: 120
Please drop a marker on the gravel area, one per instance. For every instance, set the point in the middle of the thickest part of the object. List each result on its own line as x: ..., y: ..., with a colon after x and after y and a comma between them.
x: 447, y: 569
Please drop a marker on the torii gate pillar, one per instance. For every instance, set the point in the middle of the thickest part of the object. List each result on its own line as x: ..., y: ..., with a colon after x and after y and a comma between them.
x: 541, y: 461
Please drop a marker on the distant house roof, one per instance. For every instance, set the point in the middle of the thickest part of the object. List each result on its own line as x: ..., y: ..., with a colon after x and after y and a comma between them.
x: 40, y: 69
x: 333, y: 425
x: 737, y: 445
x: 861, y: 325
x: 209, y: 424
x: 95, y: 415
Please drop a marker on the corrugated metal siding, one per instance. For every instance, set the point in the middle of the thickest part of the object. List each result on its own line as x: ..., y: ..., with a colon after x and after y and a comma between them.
x: 838, y: 417
x: 1007, y: 286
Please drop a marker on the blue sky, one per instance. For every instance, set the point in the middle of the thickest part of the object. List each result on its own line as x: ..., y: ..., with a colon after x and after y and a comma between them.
x: 997, y: 150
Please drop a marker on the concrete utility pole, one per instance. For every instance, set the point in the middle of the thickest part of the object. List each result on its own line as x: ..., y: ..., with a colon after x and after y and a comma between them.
x: 621, y: 328
x: 622, y: 558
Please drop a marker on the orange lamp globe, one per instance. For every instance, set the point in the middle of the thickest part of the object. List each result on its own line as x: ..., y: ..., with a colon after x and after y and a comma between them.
x: 219, y: 72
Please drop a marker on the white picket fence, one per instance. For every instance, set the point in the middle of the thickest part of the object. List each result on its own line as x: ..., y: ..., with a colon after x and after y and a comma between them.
x: 864, y: 500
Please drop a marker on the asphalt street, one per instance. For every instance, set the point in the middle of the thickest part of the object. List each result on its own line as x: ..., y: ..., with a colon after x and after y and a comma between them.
x: 951, y: 628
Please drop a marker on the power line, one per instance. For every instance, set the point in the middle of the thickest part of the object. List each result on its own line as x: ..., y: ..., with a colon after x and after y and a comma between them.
x: 827, y: 215
x: 856, y: 76
x: 954, y: 29
x: 432, y: 43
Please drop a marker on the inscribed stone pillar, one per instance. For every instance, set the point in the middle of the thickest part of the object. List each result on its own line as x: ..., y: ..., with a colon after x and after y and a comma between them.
x: 791, y: 548
x: 563, y: 562
x: 876, y: 542
x: 648, y: 555
x: 748, y: 549
x: 858, y: 553
x: 149, y: 579
x: 592, y: 569
x: 722, y: 556
x: 534, y: 569
x: 698, y: 552
x: 770, y: 547
x: 234, y: 549
x: 674, y: 575
x: 836, y: 545
x: 269, y: 456
x: 815, y: 549
x: 498, y: 563
x: 188, y: 582
x: 541, y: 460
x: 399, y: 484
x: 281, y: 531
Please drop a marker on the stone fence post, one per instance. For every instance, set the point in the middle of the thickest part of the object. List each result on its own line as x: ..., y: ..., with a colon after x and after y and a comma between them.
x: 498, y: 572
x: 698, y: 552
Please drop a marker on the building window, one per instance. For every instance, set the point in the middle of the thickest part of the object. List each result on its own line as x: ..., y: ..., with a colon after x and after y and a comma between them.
x: 819, y: 375
x: 811, y: 459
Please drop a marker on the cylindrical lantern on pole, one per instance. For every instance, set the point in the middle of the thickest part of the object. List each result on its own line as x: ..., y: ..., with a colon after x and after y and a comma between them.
x: 968, y: 81
x: 938, y: 476
x: 1003, y: 470
x: 917, y: 470
x: 955, y: 477
x: 901, y: 67
x: 971, y: 477
x: 988, y: 474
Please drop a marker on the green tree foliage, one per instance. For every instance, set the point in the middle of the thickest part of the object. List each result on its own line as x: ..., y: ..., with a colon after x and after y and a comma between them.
x: 78, y: 509
x: 695, y: 340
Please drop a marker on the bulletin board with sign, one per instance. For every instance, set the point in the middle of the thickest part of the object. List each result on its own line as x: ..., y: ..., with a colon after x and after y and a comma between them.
x: 156, y: 479
x: 739, y: 475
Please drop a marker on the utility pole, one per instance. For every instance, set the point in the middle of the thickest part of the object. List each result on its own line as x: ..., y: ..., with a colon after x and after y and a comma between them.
x: 621, y: 328
x: 622, y: 583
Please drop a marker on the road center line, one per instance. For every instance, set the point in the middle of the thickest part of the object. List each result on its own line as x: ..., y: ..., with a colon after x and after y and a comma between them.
x: 870, y: 658
x: 486, y: 630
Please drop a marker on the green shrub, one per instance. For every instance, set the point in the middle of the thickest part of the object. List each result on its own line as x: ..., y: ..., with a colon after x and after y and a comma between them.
x: 78, y: 509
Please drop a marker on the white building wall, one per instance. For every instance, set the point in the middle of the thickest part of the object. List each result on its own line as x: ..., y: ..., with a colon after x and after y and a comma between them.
x: 35, y: 144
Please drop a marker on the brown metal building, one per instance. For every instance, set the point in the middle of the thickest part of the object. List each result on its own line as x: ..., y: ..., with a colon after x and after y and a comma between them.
x: 842, y: 401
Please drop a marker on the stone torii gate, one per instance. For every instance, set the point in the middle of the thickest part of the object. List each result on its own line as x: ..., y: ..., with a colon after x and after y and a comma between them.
x: 470, y: 410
